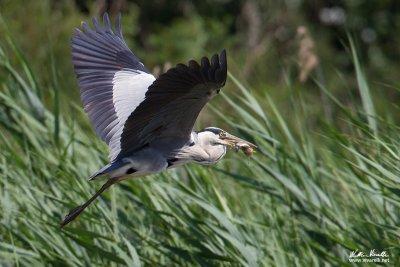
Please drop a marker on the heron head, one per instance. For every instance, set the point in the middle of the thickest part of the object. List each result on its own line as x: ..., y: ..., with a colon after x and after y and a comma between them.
x: 221, y: 137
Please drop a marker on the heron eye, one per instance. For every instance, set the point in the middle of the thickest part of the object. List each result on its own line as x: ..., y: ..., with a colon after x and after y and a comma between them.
x: 222, y: 134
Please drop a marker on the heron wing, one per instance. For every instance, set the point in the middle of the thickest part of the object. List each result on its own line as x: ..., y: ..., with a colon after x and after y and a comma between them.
x: 112, y: 80
x: 172, y: 104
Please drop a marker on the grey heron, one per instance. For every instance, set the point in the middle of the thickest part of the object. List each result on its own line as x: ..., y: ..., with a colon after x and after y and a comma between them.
x: 147, y: 122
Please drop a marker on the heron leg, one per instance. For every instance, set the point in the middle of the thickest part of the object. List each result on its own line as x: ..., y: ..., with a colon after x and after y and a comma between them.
x: 76, y: 211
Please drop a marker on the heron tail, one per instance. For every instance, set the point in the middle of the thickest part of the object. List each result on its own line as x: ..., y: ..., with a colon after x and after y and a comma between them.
x: 78, y: 210
x: 106, y: 170
x: 100, y: 172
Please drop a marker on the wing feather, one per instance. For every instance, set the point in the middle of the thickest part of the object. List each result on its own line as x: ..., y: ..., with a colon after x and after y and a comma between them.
x: 172, y: 104
x: 127, y: 106
x: 112, y: 79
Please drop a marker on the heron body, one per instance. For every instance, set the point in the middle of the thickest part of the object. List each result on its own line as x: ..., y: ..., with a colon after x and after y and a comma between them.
x: 147, y: 122
x: 164, y: 154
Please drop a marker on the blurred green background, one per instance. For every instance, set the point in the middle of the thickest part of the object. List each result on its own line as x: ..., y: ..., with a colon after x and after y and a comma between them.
x: 261, y: 38
x: 313, y: 83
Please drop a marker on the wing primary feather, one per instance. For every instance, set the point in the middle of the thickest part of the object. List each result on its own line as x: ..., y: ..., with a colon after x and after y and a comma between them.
x: 118, y: 29
x: 107, y: 23
x: 194, y: 65
x: 96, y: 25
x: 205, y: 63
x: 214, y: 62
x: 223, y: 67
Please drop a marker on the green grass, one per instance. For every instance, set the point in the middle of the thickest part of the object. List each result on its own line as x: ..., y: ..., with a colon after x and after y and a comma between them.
x: 308, y: 197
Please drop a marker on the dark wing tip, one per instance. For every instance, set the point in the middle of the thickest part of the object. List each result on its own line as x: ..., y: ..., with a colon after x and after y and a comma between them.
x: 194, y: 65
x: 214, y: 69
x: 214, y: 62
x: 219, y: 68
x: 223, y: 67
x: 222, y: 60
x: 205, y: 63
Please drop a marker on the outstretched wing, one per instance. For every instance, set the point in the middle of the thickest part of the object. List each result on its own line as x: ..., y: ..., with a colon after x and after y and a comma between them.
x: 172, y: 104
x: 112, y: 80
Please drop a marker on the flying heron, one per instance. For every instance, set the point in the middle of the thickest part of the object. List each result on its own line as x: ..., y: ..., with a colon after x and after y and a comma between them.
x: 147, y: 122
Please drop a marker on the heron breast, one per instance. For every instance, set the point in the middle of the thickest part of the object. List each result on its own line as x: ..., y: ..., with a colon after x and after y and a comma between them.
x: 219, y: 152
x: 215, y: 153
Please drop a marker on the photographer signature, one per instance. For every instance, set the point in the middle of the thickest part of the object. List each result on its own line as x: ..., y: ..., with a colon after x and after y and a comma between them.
x: 374, y: 255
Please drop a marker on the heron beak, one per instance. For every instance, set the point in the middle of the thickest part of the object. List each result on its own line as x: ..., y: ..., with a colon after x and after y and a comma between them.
x: 238, y: 144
